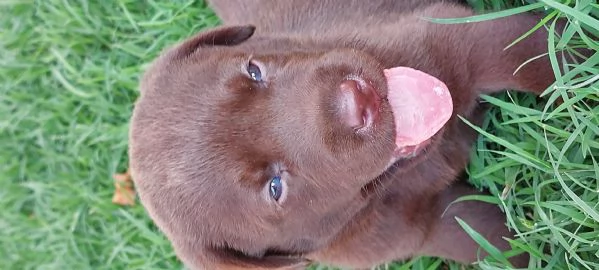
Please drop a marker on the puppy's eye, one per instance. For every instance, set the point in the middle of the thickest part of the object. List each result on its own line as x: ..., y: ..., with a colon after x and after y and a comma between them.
x: 254, y: 71
x: 275, y: 187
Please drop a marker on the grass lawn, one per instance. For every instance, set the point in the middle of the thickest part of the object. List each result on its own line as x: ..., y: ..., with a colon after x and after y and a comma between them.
x: 68, y: 79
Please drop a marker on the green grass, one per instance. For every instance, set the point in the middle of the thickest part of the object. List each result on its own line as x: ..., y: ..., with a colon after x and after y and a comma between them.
x: 68, y: 79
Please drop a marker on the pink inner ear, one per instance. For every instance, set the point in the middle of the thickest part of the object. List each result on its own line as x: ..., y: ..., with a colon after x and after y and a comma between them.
x: 421, y: 105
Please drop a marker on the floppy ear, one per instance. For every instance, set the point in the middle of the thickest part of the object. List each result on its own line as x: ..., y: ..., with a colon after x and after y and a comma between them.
x: 225, y: 258
x: 220, y: 36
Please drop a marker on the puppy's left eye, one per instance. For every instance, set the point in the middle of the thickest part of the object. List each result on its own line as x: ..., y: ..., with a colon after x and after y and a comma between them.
x: 275, y: 188
x: 254, y: 71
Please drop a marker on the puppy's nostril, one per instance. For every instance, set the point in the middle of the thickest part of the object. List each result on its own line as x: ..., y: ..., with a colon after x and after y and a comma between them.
x: 358, y: 104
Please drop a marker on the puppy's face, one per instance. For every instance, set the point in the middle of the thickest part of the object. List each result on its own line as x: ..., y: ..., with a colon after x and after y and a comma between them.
x: 245, y: 150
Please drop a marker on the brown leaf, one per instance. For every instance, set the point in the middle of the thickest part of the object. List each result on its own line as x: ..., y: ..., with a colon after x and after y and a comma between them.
x: 124, y: 193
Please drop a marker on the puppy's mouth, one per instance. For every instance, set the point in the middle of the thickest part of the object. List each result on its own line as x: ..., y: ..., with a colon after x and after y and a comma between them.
x: 421, y: 105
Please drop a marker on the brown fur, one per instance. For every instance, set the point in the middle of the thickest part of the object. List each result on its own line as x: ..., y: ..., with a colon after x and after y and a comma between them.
x: 205, y: 139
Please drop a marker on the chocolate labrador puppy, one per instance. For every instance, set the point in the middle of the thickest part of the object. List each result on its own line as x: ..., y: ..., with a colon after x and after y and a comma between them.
x: 270, y: 142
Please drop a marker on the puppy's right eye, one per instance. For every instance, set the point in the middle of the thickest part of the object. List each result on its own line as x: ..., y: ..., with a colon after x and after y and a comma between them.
x: 254, y: 71
x: 275, y: 188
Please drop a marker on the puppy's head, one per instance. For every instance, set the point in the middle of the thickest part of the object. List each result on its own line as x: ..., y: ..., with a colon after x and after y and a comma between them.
x: 251, y: 151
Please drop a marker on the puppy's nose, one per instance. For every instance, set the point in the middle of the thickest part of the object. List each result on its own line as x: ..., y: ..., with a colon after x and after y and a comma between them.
x: 358, y: 104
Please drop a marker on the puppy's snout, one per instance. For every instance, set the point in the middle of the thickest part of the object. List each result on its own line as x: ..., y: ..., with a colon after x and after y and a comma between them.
x: 358, y: 104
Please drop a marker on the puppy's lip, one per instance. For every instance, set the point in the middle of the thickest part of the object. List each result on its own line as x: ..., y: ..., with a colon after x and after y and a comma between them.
x: 410, y: 151
x: 401, y: 159
x: 413, y: 154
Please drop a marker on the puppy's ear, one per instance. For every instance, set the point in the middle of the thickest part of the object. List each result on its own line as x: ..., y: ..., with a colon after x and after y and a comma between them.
x: 220, y: 36
x: 232, y: 259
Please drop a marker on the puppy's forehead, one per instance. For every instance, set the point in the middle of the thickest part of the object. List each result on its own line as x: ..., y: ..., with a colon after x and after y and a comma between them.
x: 209, y: 99
x: 227, y: 115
